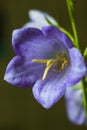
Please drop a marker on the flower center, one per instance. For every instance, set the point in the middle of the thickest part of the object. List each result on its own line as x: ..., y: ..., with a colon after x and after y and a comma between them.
x: 59, y: 63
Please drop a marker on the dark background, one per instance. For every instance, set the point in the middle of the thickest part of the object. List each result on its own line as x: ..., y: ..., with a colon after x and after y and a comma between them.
x: 18, y: 108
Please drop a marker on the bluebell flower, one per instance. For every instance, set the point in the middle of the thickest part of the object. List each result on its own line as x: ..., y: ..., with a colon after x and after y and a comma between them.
x: 46, y: 61
x: 39, y: 19
x: 74, y: 104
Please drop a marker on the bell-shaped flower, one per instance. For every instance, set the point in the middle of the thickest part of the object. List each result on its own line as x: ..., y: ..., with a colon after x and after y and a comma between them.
x: 46, y: 61
x: 74, y: 104
x: 39, y: 19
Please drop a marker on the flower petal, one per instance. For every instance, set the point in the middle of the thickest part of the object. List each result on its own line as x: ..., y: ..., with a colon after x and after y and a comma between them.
x: 47, y: 92
x: 40, y: 16
x: 53, y: 32
x: 74, y: 105
x: 21, y: 39
x: 78, y: 68
x: 33, y: 24
x: 23, y: 73
x: 32, y: 42
x: 38, y: 19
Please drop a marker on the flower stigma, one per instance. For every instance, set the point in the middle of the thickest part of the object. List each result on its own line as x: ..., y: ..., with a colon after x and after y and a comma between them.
x: 59, y: 63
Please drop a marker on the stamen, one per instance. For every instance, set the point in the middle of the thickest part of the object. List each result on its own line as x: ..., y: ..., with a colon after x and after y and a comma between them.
x: 61, y: 61
x: 65, y: 62
x: 49, y: 65
x: 40, y: 61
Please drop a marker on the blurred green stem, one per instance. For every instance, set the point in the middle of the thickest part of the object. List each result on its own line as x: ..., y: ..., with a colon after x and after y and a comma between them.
x: 84, y: 97
x: 70, y: 10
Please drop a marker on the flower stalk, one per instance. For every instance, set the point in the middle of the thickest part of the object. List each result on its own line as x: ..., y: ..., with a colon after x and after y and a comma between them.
x: 70, y: 7
x: 84, y: 97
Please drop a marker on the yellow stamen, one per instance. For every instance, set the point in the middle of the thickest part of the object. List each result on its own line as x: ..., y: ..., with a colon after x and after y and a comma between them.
x: 61, y: 61
x: 48, y: 63
x: 64, y: 64
x: 40, y: 61
x: 48, y: 66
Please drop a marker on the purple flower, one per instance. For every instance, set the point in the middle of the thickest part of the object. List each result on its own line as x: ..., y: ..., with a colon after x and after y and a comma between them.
x: 45, y: 60
x: 38, y: 19
x: 74, y: 105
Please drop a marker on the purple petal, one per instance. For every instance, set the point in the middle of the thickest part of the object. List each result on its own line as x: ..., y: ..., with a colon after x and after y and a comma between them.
x: 74, y: 105
x: 47, y: 92
x: 23, y: 73
x: 55, y: 33
x: 33, y: 24
x: 38, y: 19
x: 78, y: 68
x: 33, y: 43
x: 21, y: 39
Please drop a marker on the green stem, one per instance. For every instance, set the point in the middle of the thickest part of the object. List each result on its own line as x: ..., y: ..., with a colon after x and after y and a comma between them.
x: 84, y: 97
x: 76, y: 43
x: 85, y: 52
